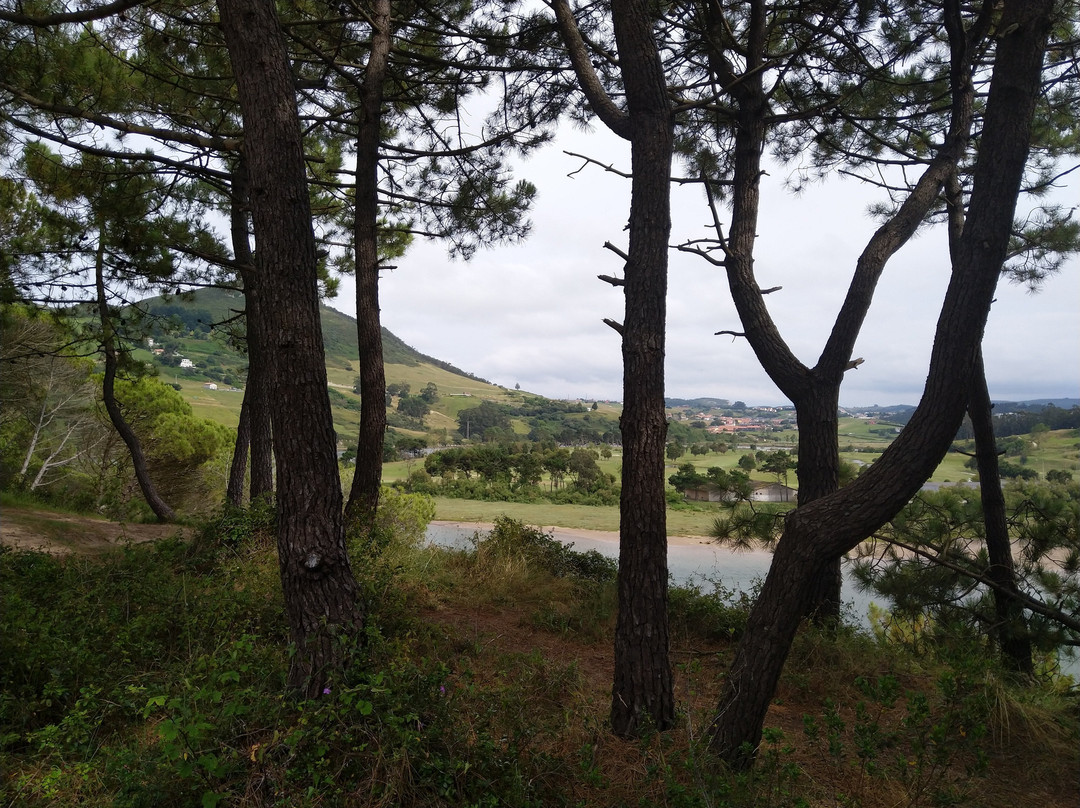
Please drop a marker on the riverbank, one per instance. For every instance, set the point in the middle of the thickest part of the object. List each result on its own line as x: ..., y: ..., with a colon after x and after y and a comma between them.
x: 680, y: 523
x: 574, y: 534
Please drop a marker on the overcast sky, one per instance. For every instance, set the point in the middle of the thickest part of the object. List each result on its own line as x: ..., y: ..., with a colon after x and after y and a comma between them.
x: 531, y: 314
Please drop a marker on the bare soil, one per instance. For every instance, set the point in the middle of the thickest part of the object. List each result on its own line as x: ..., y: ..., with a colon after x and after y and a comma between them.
x: 61, y: 534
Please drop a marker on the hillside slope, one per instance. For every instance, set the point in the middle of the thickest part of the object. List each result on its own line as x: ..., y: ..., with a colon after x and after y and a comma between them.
x: 205, y: 328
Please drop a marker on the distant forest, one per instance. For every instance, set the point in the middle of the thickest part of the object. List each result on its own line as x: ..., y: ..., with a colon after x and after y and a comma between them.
x: 1021, y: 423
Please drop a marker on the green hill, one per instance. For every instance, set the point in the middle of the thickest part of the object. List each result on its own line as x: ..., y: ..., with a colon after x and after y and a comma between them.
x: 205, y: 328
x: 209, y: 310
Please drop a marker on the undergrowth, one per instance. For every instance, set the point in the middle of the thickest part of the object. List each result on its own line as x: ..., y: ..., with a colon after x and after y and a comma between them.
x: 154, y: 676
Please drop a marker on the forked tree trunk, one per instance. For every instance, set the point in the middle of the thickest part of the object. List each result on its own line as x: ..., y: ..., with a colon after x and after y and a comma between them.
x: 320, y: 592
x: 815, y: 391
x: 827, y: 527
x: 819, y: 475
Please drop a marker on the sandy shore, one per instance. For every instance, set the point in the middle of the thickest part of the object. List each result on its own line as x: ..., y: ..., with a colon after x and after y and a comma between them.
x: 574, y: 534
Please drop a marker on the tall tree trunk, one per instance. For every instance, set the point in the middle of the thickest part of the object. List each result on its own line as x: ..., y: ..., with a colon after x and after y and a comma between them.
x: 827, y: 527
x: 321, y: 595
x: 367, y: 477
x: 1011, y: 629
x: 643, y: 691
x: 158, y: 505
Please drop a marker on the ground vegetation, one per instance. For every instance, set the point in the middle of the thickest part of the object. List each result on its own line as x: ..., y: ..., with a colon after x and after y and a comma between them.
x: 484, y: 681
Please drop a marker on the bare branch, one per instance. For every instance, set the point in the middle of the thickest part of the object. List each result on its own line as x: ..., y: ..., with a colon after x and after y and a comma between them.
x: 687, y: 247
x: 854, y: 363
x: 617, y: 326
x: 609, y: 246
x: 734, y: 334
x: 609, y: 167
x: 611, y: 280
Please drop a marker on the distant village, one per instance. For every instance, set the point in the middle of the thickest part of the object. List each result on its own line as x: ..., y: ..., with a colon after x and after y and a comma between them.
x: 738, y: 417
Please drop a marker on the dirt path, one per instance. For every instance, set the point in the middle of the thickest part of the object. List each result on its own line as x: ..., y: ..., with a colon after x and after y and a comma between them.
x: 60, y: 533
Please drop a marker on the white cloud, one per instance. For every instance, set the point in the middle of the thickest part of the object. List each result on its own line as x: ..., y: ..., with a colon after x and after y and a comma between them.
x: 532, y: 313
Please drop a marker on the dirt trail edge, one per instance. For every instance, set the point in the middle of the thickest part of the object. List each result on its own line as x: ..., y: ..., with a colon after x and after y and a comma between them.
x: 61, y: 533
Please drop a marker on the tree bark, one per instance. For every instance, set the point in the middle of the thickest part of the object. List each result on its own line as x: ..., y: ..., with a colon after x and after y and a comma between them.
x: 367, y: 477
x: 320, y: 591
x: 816, y: 414
x: 161, y: 509
x: 259, y: 389
x: 643, y: 691
x: 834, y: 524
x: 1011, y: 629
x: 234, y: 491
x: 255, y: 431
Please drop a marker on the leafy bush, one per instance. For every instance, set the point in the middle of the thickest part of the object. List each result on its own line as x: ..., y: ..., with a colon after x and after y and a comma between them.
x: 716, y: 614
x: 510, y: 538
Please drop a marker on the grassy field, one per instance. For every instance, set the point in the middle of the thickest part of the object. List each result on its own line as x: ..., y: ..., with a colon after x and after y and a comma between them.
x: 1059, y: 449
x: 581, y: 517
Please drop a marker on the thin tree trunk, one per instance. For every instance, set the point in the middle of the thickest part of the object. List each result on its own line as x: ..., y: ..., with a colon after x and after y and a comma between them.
x: 367, y: 477
x: 1011, y: 627
x: 321, y: 594
x: 832, y: 525
x: 39, y: 425
x: 48, y: 463
x: 158, y: 505
x: 234, y: 492
x: 643, y: 691
x: 238, y: 225
x: 258, y: 390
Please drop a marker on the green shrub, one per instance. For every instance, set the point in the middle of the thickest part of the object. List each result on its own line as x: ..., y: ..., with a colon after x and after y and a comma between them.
x: 717, y: 613
x: 510, y: 538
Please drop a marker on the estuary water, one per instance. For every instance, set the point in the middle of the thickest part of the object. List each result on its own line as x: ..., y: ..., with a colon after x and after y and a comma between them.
x: 691, y: 559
